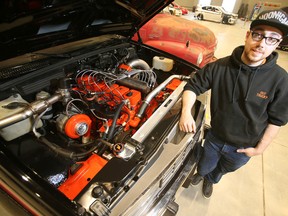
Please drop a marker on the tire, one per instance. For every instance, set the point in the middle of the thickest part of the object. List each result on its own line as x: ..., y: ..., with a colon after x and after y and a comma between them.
x: 200, y: 17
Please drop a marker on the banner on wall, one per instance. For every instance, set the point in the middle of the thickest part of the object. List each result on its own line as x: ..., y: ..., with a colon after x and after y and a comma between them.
x: 261, y: 6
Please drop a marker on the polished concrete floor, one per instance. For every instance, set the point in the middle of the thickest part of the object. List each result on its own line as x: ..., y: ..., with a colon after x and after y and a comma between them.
x: 257, y: 189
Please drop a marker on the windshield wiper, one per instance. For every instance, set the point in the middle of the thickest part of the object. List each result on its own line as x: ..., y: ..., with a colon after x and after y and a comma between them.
x: 63, y: 55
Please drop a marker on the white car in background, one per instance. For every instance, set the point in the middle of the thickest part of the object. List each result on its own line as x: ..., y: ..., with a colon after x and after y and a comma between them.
x: 216, y: 14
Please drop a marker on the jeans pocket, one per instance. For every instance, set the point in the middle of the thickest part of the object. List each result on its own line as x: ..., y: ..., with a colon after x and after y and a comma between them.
x: 243, y: 154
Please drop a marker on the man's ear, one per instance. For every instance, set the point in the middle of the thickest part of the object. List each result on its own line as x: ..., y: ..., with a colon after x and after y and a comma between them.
x: 247, y: 34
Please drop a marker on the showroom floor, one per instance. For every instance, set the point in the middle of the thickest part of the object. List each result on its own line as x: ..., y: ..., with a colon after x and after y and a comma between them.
x: 257, y: 189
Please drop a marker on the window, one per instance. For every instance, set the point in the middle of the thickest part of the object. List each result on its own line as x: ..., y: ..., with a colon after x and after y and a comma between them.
x: 228, y: 5
x: 204, y: 2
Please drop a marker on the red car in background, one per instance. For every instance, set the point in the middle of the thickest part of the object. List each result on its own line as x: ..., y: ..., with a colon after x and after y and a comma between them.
x: 183, y: 9
x: 181, y: 37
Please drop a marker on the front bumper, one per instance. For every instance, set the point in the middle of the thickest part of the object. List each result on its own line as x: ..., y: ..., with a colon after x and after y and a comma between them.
x: 232, y: 20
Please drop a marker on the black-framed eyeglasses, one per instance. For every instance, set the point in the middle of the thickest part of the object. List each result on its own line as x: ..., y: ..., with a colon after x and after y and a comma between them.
x: 268, y: 40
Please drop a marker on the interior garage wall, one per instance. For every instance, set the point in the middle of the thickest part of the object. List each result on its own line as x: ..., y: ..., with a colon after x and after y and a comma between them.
x: 192, y: 3
x: 216, y: 2
x: 252, y: 3
x: 187, y: 3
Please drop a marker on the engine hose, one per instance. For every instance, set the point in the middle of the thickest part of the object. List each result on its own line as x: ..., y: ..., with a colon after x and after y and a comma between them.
x: 111, y: 128
x: 138, y: 63
x: 116, y: 116
x: 64, y: 152
x: 36, y: 107
x: 110, y: 145
x: 80, y: 145
x: 135, y: 84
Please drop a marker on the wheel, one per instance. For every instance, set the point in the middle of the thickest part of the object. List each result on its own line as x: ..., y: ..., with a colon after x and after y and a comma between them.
x: 225, y: 20
x: 200, y: 16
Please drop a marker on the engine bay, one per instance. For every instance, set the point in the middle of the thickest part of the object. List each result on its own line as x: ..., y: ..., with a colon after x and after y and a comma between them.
x: 84, y: 128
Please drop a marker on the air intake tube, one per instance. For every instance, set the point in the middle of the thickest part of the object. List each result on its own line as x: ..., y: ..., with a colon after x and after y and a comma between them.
x: 156, y: 91
x: 38, y: 106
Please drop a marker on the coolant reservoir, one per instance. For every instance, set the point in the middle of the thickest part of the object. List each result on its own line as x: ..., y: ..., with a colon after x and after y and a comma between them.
x: 162, y: 63
x: 10, y: 106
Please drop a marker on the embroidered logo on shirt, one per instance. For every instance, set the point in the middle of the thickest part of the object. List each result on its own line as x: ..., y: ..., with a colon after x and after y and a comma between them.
x: 262, y: 95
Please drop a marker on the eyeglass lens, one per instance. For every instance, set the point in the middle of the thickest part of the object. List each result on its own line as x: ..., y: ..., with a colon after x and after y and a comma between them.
x: 268, y: 40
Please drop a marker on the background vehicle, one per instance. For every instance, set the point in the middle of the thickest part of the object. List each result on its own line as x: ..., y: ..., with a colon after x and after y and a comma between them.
x: 183, y: 9
x: 284, y: 44
x: 89, y: 117
x: 283, y: 47
x: 216, y: 14
x: 170, y: 9
x: 181, y: 37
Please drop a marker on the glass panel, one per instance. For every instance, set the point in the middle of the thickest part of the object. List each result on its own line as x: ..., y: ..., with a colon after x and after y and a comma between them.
x: 204, y: 2
x: 228, y: 5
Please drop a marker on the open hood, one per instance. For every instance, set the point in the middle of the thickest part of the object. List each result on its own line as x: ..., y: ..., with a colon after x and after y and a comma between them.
x: 27, y: 26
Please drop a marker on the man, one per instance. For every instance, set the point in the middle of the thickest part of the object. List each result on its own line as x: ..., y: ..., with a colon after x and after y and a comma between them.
x: 249, y: 100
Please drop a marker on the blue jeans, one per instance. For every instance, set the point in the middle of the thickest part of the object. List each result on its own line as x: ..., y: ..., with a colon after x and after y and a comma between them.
x: 219, y: 158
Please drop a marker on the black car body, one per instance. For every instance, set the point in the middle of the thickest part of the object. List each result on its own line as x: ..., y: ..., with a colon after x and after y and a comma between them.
x: 282, y: 47
x: 89, y: 118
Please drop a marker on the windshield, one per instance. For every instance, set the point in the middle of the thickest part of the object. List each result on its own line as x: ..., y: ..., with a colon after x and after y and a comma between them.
x: 31, y: 25
x: 223, y: 9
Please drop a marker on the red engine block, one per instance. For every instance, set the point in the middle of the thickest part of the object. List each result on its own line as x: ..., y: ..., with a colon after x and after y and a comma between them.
x: 114, y: 94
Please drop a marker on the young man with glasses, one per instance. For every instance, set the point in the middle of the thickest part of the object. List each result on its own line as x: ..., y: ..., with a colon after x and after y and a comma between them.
x: 249, y: 100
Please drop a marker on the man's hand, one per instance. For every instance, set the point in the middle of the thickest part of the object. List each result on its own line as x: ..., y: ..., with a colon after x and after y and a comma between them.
x: 187, y: 123
x: 250, y: 152
x: 270, y: 133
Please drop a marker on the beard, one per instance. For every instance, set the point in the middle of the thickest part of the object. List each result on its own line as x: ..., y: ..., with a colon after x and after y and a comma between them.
x: 253, y: 56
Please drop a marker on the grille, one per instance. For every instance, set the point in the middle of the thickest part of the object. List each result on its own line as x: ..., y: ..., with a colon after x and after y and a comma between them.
x: 22, y: 69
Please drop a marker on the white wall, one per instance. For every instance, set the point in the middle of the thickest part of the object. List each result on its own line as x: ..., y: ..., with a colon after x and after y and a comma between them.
x: 187, y: 3
x: 251, y: 3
